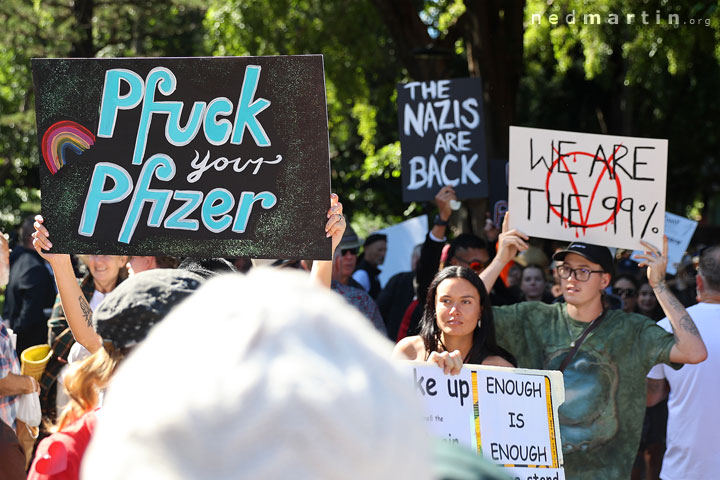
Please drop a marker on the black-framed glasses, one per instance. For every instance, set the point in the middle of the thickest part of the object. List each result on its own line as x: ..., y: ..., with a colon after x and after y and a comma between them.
x: 474, y: 264
x: 581, y: 274
x: 354, y: 251
x: 624, y: 292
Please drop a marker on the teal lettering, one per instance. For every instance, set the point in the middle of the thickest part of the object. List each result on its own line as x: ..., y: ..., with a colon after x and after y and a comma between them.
x: 217, y: 203
x: 112, y: 101
x: 245, y: 205
x: 97, y: 195
x: 248, y: 110
x: 163, y: 167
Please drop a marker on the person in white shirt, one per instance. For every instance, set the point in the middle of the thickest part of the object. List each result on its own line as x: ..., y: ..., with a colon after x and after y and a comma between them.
x: 693, y: 413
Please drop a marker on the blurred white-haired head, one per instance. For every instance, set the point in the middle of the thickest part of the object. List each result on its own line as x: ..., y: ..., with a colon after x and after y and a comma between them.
x: 261, y: 376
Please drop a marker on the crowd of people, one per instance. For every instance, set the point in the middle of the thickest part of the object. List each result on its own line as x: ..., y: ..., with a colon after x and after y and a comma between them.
x: 288, y: 377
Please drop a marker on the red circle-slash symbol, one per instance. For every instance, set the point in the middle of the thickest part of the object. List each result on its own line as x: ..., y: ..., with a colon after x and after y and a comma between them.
x: 585, y: 216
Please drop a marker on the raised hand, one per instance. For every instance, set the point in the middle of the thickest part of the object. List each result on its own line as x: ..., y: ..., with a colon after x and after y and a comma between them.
x: 42, y: 243
x: 335, y: 226
x: 510, y: 242
x: 656, y: 262
x: 444, y: 200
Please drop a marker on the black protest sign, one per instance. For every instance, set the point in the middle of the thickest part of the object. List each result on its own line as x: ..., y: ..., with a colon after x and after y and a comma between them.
x: 443, y: 140
x: 202, y: 157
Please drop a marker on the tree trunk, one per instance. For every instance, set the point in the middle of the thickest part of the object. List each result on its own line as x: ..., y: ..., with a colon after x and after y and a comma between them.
x: 83, y: 46
x: 418, y: 52
x: 493, y: 34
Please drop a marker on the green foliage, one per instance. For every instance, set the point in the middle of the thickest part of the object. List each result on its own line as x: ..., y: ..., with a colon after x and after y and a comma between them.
x: 360, y: 83
x: 50, y: 29
x: 440, y: 15
x: 655, y: 79
x: 150, y: 28
x: 652, y: 76
x: 365, y: 223
x: 19, y: 181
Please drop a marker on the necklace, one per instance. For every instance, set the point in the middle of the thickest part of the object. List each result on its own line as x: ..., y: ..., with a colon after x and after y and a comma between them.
x: 573, y: 340
x: 588, y: 330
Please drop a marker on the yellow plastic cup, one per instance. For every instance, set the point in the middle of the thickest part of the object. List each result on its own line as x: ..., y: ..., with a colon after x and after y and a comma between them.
x: 34, y: 359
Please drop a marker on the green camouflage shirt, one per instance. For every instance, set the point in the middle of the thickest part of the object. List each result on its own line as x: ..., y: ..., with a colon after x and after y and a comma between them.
x: 601, y: 419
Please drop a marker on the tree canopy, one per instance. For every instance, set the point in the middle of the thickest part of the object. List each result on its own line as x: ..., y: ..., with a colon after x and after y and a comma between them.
x: 655, y: 79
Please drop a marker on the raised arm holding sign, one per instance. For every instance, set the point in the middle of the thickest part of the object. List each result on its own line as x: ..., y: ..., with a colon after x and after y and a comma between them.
x: 77, y: 309
x: 604, y: 354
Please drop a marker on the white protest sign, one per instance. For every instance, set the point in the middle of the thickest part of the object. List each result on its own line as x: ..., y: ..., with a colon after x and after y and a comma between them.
x: 529, y: 473
x: 679, y: 231
x: 448, y: 404
x: 401, y: 239
x: 508, y: 415
x: 600, y: 189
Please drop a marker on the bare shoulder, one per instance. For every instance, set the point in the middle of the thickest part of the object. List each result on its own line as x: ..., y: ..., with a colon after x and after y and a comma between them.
x: 497, y: 361
x: 410, y: 348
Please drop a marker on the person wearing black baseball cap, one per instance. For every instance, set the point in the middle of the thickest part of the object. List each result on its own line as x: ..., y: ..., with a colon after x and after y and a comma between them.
x: 604, y: 354
x: 594, y: 253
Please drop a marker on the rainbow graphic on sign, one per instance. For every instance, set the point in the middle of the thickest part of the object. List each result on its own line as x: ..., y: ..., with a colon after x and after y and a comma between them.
x: 61, y: 137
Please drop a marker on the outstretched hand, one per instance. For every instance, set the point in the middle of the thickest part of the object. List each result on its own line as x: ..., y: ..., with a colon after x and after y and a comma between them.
x: 41, y: 242
x: 656, y: 263
x: 450, y: 362
x: 335, y: 226
x: 510, y: 242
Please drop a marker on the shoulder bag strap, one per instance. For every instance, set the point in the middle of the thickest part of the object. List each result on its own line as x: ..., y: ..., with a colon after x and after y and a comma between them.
x: 595, y: 323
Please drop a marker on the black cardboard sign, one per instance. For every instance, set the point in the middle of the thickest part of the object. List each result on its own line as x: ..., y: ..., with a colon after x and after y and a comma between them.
x: 442, y: 135
x: 203, y: 157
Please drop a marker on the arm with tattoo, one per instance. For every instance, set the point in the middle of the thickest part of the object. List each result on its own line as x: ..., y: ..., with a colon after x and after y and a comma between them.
x: 689, y: 346
x: 86, y: 311
x: 77, y: 310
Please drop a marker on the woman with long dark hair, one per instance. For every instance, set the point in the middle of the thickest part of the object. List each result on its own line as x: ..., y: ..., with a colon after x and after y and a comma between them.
x: 457, y: 325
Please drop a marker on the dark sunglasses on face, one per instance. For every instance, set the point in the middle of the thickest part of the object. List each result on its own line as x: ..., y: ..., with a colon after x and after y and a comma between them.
x: 474, y: 264
x: 354, y: 251
x: 624, y: 292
